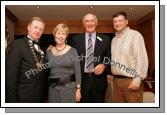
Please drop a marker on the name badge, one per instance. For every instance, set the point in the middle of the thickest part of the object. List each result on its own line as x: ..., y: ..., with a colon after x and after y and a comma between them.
x: 99, y: 38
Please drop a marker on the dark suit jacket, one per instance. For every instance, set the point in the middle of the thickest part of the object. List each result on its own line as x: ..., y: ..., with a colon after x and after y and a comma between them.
x: 102, y: 52
x: 23, y: 82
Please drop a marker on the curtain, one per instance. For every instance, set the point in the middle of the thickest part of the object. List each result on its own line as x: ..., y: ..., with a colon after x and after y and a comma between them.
x: 7, y: 37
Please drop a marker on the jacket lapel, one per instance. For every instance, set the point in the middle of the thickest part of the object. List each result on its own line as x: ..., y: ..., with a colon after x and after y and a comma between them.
x: 97, y: 46
x: 29, y: 52
x: 83, y: 44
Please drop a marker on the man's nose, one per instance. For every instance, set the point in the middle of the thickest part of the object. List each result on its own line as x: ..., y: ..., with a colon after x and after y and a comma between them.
x: 61, y: 36
x: 38, y: 30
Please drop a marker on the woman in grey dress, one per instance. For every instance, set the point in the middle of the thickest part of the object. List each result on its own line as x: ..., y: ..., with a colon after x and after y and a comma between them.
x: 64, y: 63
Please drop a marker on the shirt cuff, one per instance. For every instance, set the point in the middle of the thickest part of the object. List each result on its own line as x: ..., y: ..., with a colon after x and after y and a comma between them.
x: 137, y: 79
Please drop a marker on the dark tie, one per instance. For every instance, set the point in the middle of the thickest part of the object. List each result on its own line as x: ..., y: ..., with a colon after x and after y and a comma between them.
x: 90, y: 54
x: 35, y: 45
x: 34, y: 42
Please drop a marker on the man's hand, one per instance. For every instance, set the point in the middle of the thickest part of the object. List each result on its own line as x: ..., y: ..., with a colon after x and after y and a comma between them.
x: 49, y: 47
x: 99, y: 69
x: 135, y: 84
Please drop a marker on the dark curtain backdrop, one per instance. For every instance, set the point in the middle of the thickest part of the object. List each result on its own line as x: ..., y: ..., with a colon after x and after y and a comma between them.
x: 48, y: 39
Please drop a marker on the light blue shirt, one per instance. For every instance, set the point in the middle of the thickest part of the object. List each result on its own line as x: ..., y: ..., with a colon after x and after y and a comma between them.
x: 93, y: 37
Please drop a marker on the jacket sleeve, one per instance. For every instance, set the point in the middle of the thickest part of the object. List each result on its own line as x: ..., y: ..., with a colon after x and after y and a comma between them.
x: 108, y: 54
x: 140, y: 56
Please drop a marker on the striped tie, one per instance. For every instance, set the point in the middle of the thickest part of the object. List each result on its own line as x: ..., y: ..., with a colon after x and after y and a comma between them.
x: 90, y: 58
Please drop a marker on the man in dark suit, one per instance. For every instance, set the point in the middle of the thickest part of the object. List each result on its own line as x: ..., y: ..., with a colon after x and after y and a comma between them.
x: 94, y: 54
x: 25, y: 76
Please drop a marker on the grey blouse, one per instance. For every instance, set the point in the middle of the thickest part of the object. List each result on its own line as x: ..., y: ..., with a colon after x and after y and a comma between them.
x: 64, y: 65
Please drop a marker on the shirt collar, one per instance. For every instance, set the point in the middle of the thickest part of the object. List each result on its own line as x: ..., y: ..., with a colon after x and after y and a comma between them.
x: 120, y: 34
x: 31, y: 38
x: 93, y: 35
x: 32, y: 41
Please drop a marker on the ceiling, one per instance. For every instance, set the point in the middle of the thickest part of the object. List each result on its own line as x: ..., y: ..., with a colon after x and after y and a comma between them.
x: 76, y: 12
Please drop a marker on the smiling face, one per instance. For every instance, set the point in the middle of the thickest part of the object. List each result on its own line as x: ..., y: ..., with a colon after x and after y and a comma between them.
x: 90, y: 23
x: 35, y: 29
x: 60, y: 33
x: 60, y: 37
x: 120, y: 23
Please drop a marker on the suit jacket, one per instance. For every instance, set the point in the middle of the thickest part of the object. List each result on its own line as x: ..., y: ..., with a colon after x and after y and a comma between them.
x: 102, y: 52
x: 23, y: 82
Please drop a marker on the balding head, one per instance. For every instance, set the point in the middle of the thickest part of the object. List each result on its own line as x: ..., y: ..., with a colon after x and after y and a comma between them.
x: 90, y: 23
x: 89, y: 15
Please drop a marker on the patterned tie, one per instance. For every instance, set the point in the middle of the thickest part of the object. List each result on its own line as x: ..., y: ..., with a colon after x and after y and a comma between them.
x: 90, y: 58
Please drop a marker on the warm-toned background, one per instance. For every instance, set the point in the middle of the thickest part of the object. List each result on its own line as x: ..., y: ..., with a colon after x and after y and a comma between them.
x: 141, y: 18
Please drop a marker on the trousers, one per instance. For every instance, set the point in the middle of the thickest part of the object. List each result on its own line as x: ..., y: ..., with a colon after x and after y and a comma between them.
x: 121, y: 92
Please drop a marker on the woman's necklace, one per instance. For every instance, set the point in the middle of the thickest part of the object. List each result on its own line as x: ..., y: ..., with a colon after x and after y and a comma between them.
x: 60, y: 51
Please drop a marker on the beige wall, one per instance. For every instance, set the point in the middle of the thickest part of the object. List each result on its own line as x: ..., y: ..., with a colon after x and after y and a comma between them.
x: 75, y: 26
x: 147, y: 29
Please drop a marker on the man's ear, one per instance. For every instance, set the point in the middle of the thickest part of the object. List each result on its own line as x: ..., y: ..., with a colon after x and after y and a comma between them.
x: 127, y: 22
x: 28, y: 27
x: 83, y: 25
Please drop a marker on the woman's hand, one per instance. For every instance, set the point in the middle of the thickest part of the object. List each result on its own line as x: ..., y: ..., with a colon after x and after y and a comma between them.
x: 78, y: 95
